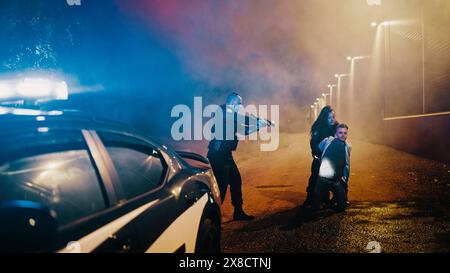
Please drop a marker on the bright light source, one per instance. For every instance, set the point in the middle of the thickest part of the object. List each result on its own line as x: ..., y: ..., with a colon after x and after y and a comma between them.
x: 360, y: 58
x: 312, y: 106
x: 32, y: 222
x: 317, y: 99
x: 323, y: 94
x: 40, y: 118
x: 61, y: 91
x: 341, y: 75
x: 33, y: 88
x: 374, y: 2
x: 5, y: 90
x: 349, y: 58
x: 326, y: 169
x: 54, y: 113
x: 38, y: 89
x: 373, y: 24
x: 26, y: 112
x: 43, y: 129
x: 53, y: 165
x: 336, y: 75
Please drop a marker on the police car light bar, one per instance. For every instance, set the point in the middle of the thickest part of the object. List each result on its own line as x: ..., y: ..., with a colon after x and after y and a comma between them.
x: 33, y: 89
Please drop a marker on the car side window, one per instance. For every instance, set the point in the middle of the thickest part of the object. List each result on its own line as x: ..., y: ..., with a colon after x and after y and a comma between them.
x: 63, y: 179
x: 139, y: 166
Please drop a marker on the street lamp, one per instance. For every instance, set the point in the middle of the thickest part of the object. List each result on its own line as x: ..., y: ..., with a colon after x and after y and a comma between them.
x: 349, y: 58
x: 374, y: 2
x: 319, y: 103
x: 312, y: 112
x: 316, y: 106
x: 331, y: 86
x: 352, y: 81
x: 325, y: 95
x: 338, y: 96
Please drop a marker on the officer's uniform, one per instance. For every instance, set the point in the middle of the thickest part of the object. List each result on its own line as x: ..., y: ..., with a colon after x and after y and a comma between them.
x: 221, y: 158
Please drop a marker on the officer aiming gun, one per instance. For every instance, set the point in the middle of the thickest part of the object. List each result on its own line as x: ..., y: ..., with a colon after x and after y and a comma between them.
x: 221, y: 147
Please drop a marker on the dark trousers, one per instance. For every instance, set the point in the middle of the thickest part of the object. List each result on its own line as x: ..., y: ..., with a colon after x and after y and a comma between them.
x: 227, y: 173
x: 315, y: 166
x: 324, y: 186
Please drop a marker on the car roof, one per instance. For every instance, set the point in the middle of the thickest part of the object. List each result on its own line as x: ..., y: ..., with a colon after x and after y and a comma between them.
x: 13, y: 119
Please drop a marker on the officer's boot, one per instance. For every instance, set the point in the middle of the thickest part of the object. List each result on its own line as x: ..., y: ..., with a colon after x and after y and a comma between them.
x: 240, y: 215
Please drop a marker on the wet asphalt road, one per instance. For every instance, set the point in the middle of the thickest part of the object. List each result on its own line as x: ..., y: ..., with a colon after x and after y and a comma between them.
x: 397, y: 227
x: 400, y: 201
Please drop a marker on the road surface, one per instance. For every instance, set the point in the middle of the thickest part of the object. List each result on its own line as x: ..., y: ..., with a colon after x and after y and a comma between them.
x: 397, y: 199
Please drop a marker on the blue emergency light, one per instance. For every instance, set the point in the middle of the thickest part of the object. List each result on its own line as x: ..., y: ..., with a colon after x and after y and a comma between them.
x: 33, y: 90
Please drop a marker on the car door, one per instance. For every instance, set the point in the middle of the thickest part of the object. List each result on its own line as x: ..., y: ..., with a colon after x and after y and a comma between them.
x: 57, y: 170
x: 114, y: 230
x: 140, y: 175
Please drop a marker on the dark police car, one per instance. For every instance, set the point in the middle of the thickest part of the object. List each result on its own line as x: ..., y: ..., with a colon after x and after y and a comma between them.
x: 72, y: 183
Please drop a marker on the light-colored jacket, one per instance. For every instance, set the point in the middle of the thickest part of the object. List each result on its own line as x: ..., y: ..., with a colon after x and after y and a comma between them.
x: 323, y: 146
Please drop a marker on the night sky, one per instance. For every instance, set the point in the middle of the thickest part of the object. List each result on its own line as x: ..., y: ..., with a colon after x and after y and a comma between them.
x: 135, y: 60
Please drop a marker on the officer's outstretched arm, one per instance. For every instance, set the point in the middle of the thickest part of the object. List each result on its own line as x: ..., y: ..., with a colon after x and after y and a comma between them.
x: 247, y: 125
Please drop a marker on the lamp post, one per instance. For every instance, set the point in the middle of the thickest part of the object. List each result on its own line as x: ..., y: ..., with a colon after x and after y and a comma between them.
x: 338, y: 96
x: 374, y: 2
x: 325, y: 95
x: 352, y: 61
x: 315, y: 110
x: 331, y: 86
x: 312, y: 115
x: 351, y: 97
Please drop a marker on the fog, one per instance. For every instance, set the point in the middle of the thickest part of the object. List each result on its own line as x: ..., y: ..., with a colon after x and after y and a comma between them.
x: 134, y: 60
x: 281, y: 52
